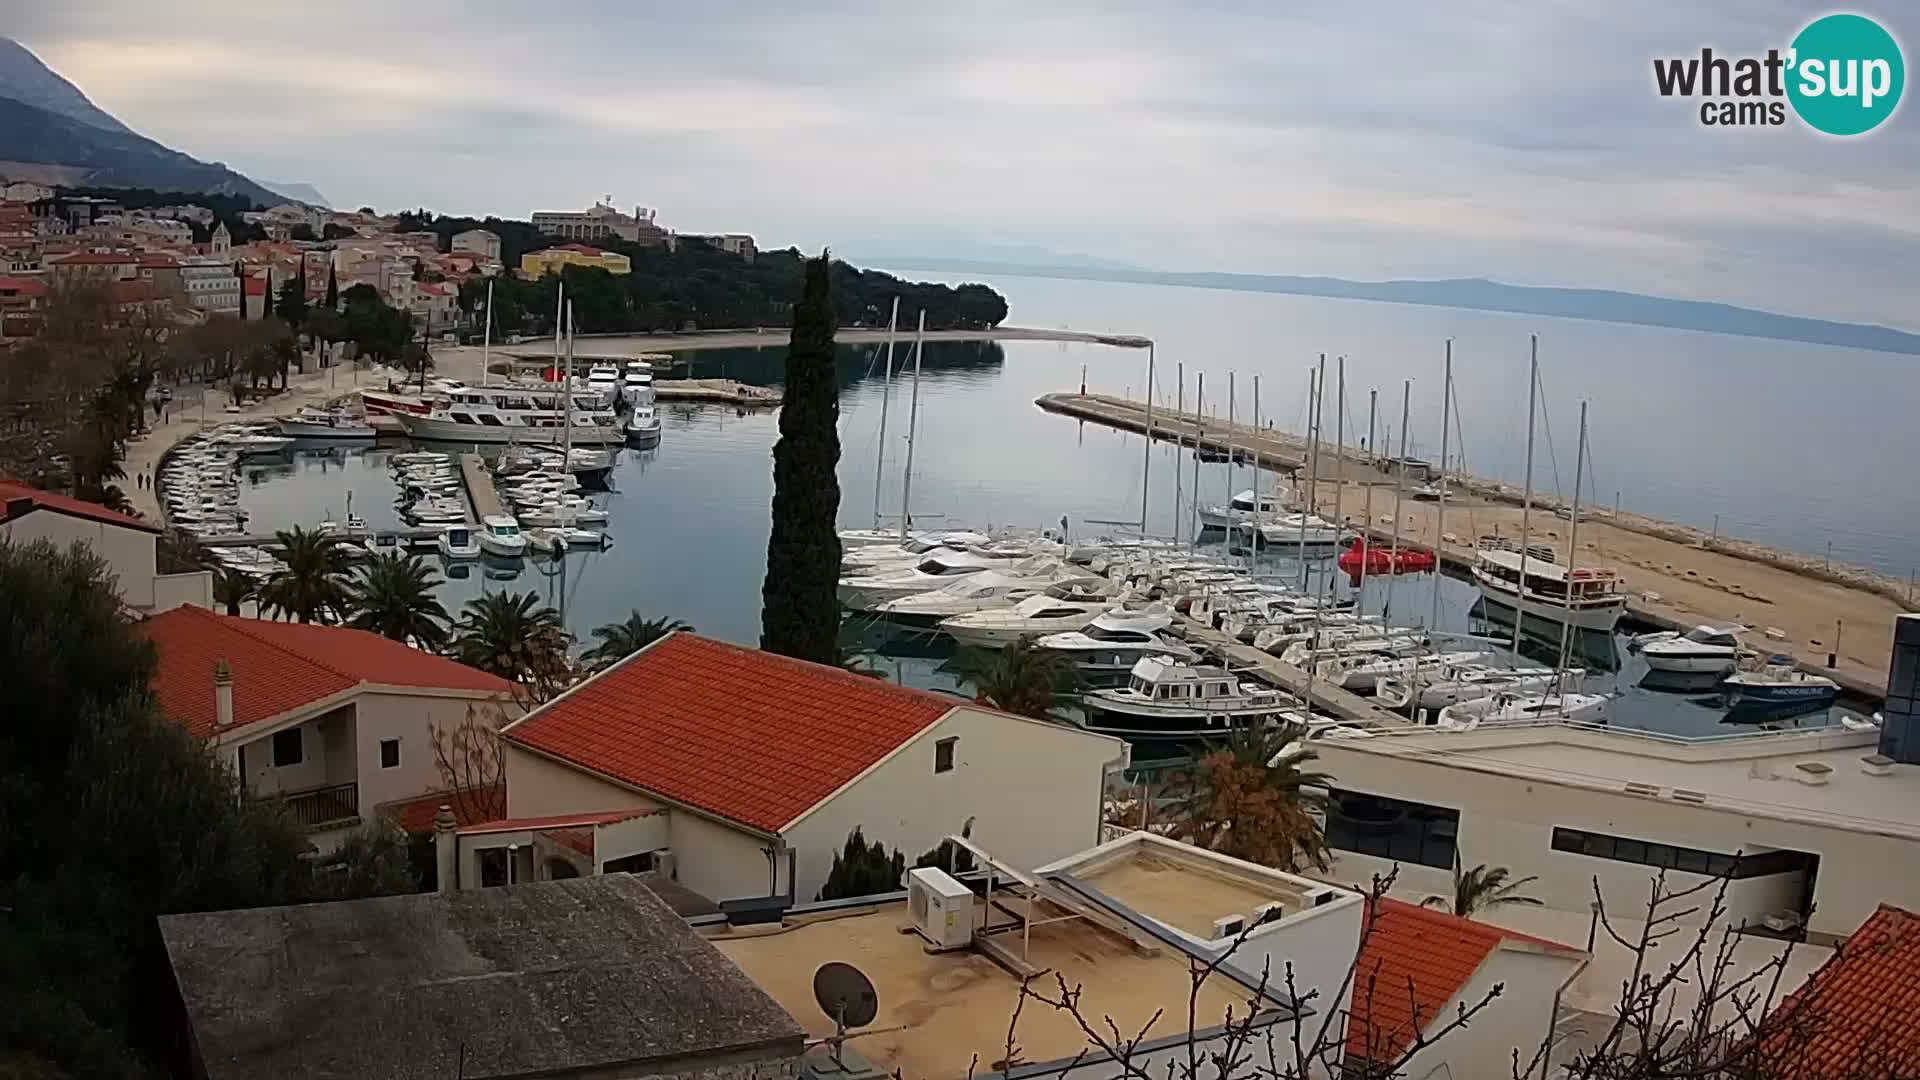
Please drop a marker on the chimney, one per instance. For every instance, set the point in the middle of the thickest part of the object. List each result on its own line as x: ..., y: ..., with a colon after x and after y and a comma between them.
x: 222, y: 696
x: 1900, y: 724
x: 445, y: 850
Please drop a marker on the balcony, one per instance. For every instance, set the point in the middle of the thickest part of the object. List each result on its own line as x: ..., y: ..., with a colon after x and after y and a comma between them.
x: 318, y: 809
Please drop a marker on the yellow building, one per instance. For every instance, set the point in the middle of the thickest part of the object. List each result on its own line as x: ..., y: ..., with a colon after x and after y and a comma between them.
x: 537, y: 263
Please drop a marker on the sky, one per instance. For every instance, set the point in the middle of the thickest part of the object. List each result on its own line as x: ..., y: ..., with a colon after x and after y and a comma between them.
x: 1520, y: 141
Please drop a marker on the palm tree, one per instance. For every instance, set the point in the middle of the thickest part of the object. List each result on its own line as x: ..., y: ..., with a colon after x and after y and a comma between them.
x: 1482, y: 887
x: 231, y: 588
x: 622, y: 639
x: 1252, y: 797
x: 1025, y: 681
x: 514, y: 636
x: 310, y: 587
x: 393, y: 597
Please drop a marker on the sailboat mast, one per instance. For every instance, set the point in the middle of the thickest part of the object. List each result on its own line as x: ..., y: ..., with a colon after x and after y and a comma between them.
x: 1146, y: 456
x: 886, y: 391
x: 1573, y: 539
x: 560, y: 327
x: 1199, y: 431
x: 1256, y: 448
x: 486, y: 337
x: 1526, y: 498
x: 1440, y: 513
x: 566, y: 394
x: 1399, y: 490
x: 913, y: 422
x: 1339, y: 449
x: 1179, y: 439
x: 1366, y: 523
x: 1229, y: 502
x: 1316, y: 409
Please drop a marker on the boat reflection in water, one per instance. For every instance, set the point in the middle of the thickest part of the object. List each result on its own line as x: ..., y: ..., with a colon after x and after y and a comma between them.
x: 1685, y: 682
x: 1595, y: 650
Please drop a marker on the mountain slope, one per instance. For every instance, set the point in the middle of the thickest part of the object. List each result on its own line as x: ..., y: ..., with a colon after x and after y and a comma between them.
x: 300, y: 192
x: 25, y: 79
x: 1601, y: 305
x: 113, y: 158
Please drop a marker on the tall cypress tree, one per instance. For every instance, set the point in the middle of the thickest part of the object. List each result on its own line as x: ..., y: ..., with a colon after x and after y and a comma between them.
x: 240, y: 272
x: 333, y: 288
x: 800, y: 611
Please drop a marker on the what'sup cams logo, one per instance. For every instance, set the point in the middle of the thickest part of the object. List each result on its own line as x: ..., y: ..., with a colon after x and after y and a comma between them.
x: 1842, y: 75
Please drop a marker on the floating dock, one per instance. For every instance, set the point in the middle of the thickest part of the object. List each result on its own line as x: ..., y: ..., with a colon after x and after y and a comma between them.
x: 482, y: 499
x: 717, y: 391
x: 1321, y: 694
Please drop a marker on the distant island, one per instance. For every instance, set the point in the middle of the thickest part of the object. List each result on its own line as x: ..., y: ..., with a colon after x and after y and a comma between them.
x: 1479, y: 294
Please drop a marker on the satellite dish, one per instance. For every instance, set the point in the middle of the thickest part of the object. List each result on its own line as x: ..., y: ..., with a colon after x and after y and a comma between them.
x: 845, y: 994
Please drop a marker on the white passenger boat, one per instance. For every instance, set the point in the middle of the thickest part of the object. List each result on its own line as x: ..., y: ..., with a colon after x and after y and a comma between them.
x: 1584, y: 708
x: 500, y: 535
x: 311, y: 423
x: 1057, y: 610
x: 457, y: 542
x: 1584, y: 597
x: 513, y: 413
x: 1703, y: 649
x: 1170, y: 701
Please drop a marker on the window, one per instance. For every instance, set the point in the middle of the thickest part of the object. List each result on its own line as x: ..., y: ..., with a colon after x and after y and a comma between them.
x: 943, y: 755
x: 1674, y: 857
x: 1389, y: 828
x: 287, y: 749
x: 631, y: 864
x: 389, y: 753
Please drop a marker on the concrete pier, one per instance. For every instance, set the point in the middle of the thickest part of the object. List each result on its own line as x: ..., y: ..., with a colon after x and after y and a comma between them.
x: 1323, y: 695
x: 717, y: 391
x: 481, y: 496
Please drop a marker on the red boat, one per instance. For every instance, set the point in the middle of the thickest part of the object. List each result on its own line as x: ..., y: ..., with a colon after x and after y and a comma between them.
x: 1379, y: 560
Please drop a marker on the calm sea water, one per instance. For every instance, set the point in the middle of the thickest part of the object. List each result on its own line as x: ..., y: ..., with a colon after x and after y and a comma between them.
x: 1684, y: 425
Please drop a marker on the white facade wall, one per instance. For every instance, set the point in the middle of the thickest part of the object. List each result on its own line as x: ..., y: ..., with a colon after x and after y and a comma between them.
x: 326, y: 756
x: 721, y: 862
x: 177, y: 590
x: 411, y: 719
x: 477, y: 241
x: 1521, y: 1017
x: 129, y: 552
x: 541, y: 787
x: 1509, y: 821
x: 1033, y: 790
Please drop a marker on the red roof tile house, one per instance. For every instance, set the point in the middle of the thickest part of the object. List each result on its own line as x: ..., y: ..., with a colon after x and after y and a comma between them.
x: 1858, y: 1017
x: 335, y: 721
x: 1417, y: 968
x: 756, y: 767
x: 126, y: 543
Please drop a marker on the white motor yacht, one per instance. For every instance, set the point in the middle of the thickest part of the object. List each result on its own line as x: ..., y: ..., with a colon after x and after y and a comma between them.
x: 1115, y: 641
x: 311, y: 423
x: 500, y: 535
x: 1310, y: 529
x: 636, y: 385
x: 643, y: 424
x: 1584, y: 708
x: 1058, y: 609
x: 1703, y: 649
x: 1467, y: 682
x: 604, y: 381
x: 1243, y: 507
x: 1777, y: 683
x: 1169, y: 701
x: 457, y: 542
x: 984, y: 591
x: 513, y: 413
x: 865, y: 593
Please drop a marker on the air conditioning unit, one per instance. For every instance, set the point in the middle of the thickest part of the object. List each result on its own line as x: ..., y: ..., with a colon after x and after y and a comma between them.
x: 941, y: 908
x: 663, y: 863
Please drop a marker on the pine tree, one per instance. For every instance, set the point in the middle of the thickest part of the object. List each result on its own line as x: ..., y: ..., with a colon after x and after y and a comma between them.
x: 800, y: 611
x: 333, y: 289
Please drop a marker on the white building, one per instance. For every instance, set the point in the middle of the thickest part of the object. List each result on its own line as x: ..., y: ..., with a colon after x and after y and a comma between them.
x: 741, y: 773
x: 211, y: 285
x: 332, y: 721
x: 1127, y: 923
x: 740, y: 244
x: 478, y: 242
x: 126, y: 543
x: 601, y: 221
x: 22, y: 191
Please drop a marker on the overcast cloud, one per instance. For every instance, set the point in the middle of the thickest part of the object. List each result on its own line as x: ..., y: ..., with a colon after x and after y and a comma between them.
x: 1515, y: 140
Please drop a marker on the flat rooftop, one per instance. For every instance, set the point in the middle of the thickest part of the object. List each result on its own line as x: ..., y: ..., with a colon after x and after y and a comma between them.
x: 1187, y: 894
x: 953, y: 1006
x: 1753, y: 774
x: 590, y: 976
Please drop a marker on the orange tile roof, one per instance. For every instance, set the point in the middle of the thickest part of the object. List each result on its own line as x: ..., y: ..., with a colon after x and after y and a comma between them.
x: 416, y: 815
x: 95, y: 258
x: 280, y: 666
x: 1859, y: 1015
x: 745, y: 735
x: 553, y: 821
x: 64, y: 504
x: 1438, y: 952
x: 22, y: 286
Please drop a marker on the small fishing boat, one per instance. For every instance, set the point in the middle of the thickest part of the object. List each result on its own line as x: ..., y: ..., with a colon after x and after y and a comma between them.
x: 500, y: 535
x: 1778, y: 683
x: 1377, y: 561
x: 643, y: 425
